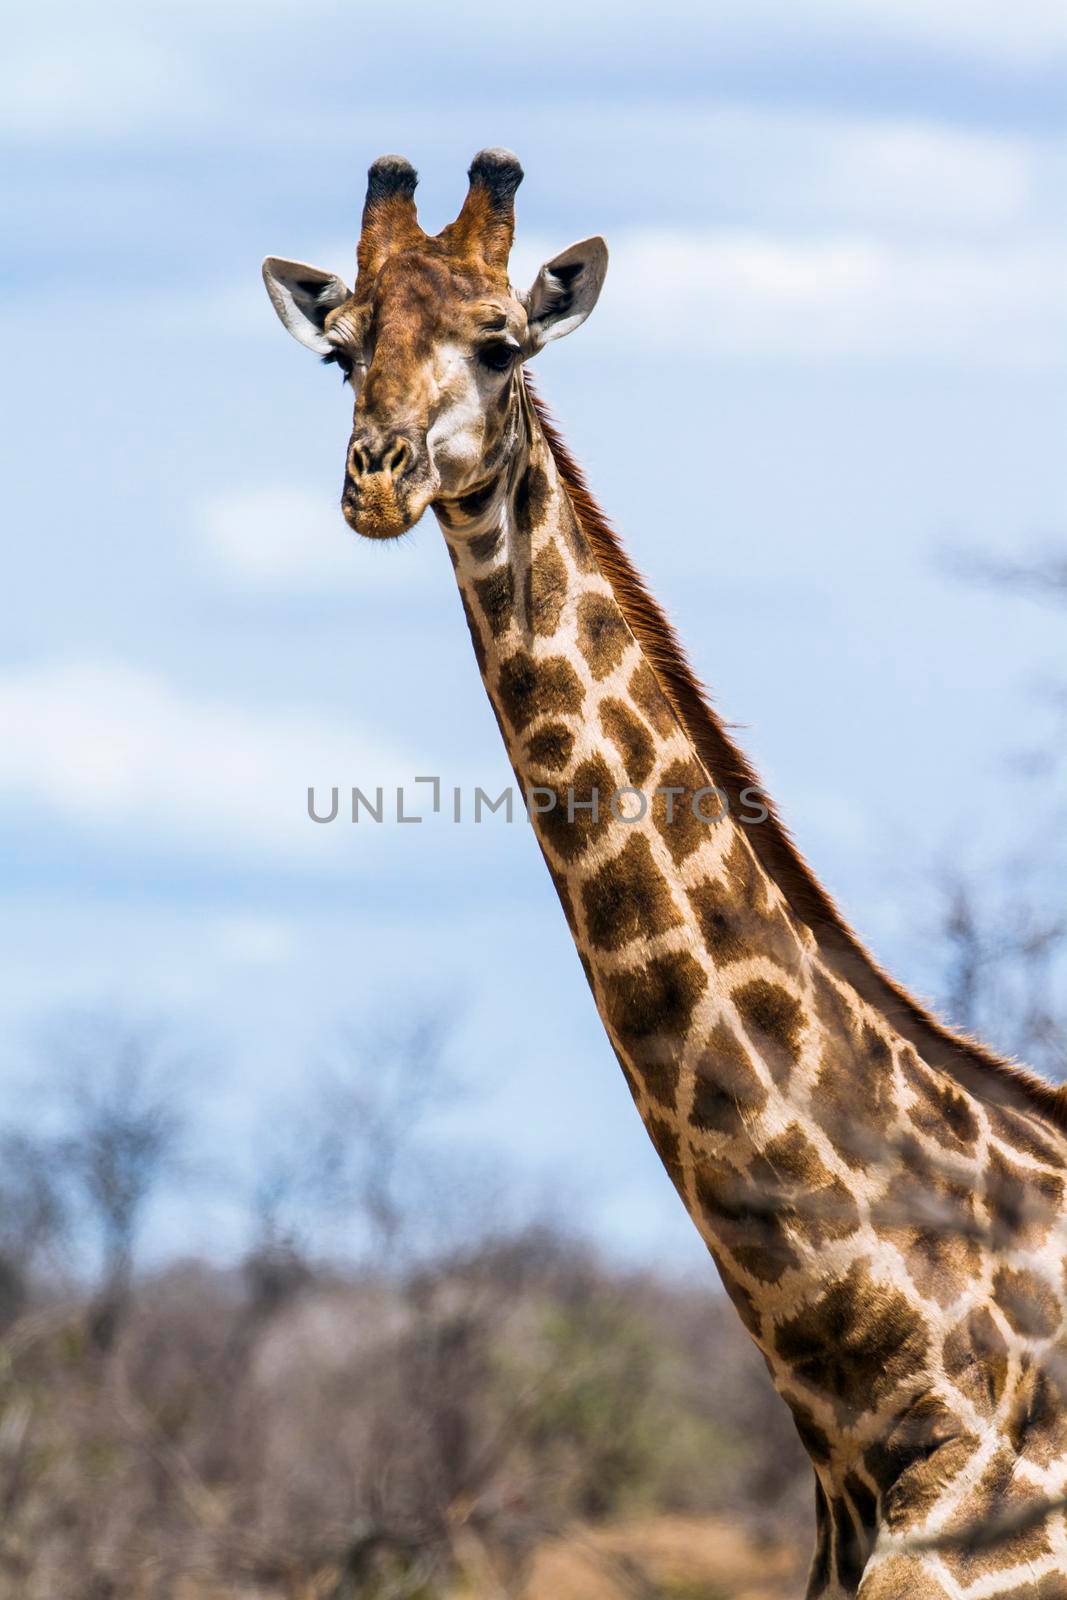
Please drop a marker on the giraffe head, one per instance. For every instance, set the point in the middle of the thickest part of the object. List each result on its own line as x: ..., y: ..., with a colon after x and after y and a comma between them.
x: 432, y: 338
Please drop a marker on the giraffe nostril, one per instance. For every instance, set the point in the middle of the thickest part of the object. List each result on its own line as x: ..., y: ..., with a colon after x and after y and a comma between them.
x: 397, y: 457
x: 368, y: 457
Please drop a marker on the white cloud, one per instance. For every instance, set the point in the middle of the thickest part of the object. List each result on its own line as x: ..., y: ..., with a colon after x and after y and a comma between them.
x: 251, y: 940
x: 883, y: 171
x: 285, y: 539
x: 101, y: 84
x: 70, y: 70
x: 276, y: 536
x: 1026, y: 32
x: 900, y: 171
x: 850, y: 295
x: 105, y: 747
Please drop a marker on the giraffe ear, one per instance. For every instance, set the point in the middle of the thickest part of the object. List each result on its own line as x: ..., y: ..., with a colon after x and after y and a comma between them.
x: 302, y: 295
x: 564, y: 292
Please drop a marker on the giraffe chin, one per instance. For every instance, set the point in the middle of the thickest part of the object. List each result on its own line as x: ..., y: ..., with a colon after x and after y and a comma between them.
x: 380, y: 512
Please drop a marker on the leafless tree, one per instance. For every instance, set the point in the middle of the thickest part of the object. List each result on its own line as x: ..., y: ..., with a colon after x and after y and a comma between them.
x: 1002, y: 952
x: 1042, y: 573
x: 33, y: 1216
x: 1003, y: 931
x: 355, y: 1155
x: 113, y: 1089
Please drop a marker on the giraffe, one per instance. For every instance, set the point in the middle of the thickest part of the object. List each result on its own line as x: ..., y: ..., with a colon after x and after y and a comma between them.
x: 883, y: 1197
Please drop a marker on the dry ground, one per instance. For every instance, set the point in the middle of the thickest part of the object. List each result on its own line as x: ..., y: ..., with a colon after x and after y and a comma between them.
x: 654, y: 1558
x: 685, y: 1558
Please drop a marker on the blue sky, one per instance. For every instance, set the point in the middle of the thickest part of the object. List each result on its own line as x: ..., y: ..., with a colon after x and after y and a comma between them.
x: 831, y: 343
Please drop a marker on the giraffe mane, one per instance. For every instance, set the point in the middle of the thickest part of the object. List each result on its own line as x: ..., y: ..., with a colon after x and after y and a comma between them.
x: 971, y: 1061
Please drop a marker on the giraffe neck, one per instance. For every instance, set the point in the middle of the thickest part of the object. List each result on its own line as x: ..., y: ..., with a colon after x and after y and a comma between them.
x: 804, y: 1134
x: 709, y: 987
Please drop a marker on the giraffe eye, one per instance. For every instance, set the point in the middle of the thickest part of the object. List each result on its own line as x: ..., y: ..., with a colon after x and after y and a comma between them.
x: 340, y: 358
x: 498, y: 356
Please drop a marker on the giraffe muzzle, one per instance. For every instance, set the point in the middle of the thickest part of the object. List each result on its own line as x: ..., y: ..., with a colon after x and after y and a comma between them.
x: 388, y: 484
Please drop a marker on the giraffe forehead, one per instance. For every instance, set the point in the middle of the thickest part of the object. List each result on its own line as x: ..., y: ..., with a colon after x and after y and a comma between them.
x: 422, y: 298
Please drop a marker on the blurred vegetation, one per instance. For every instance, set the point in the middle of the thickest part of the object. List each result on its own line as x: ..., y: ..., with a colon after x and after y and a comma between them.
x: 419, y: 1417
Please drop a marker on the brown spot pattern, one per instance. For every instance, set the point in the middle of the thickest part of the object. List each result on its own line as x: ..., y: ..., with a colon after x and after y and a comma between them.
x: 923, y: 1450
x: 476, y: 634
x: 720, y: 922
x: 475, y: 501
x: 581, y: 550
x: 812, y: 1437
x: 1025, y: 1134
x: 810, y: 1200
x: 832, y: 1007
x: 550, y: 748
x: 590, y: 785
x: 1053, y: 1586
x: 776, y: 1018
x: 603, y: 636
x: 1027, y: 1301
x: 529, y: 689
x: 627, y: 898
x: 630, y: 737
x: 744, y: 1220
x: 496, y: 596
x: 743, y: 1302
x: 932, y: 1221
x: 680, y: 828
x: 665, y: 1143
x: 854, y: 1091
x: 1037, y: 1422
x: 649, y: 1008
x: 545, y: 590
x: 531, y: 499
x: 941, y: 1110
x: 483, y: 546
x: 1022, y: 1205
x: 785, y: 1197
x: 731, y: 914
x: 858, y: 1339
x: 975, y: 1358
x: 855, y: 1343
x: 743, y: 872
x: 647, y: 694
x: 727, y: 1093
x: 656, y: 998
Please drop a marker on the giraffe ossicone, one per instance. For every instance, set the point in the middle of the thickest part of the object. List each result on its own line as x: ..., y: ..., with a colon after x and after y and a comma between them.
x: 884, y: 1198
